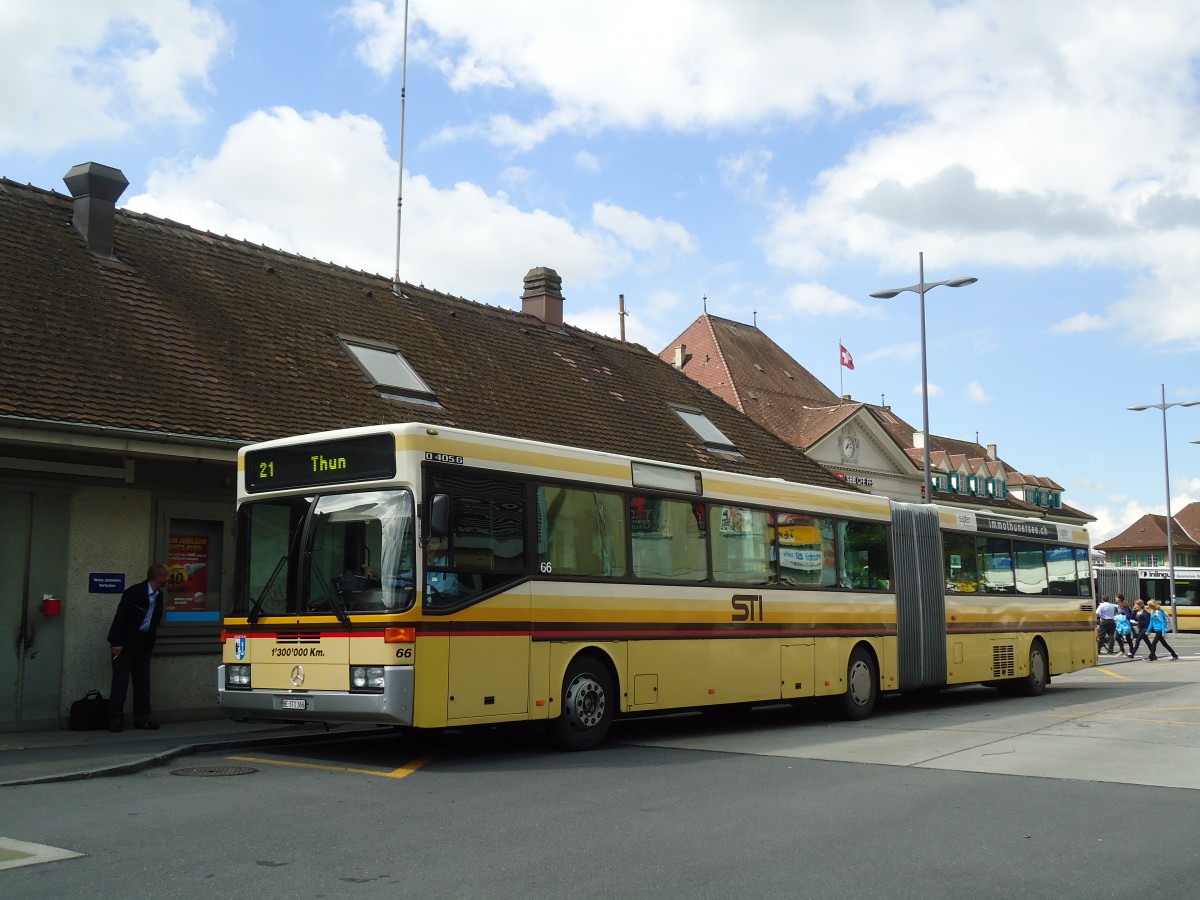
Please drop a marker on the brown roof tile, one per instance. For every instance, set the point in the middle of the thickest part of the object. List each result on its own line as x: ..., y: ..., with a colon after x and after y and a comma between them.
x: 200, y: 336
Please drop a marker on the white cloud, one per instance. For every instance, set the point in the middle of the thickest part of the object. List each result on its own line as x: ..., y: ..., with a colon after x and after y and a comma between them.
x: 78, y: 73
x: 976, y: 393
x: 1083, y: 321
x: 586, y: 162
x: 1035, y: 136
x: 643, y: 323
x: 312, y: 183
x: 746, y: 174
x: 813, y: 298
x: 641, y: 232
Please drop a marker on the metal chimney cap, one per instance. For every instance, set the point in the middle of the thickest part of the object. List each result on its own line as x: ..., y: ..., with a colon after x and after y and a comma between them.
x: 92, y: 179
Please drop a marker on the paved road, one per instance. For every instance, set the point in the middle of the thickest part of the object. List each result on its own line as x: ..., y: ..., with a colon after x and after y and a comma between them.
x: 1132, y: 722
x: 967, y: 794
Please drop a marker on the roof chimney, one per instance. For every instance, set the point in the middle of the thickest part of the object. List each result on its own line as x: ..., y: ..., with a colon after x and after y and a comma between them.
x: 991, y: 451
x: 543, y: 295
x: 918, y: 440
x: 95, y: 189
x: 681, y: 355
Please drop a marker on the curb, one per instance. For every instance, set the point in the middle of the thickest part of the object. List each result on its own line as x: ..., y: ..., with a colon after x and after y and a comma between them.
x: 215, y: 745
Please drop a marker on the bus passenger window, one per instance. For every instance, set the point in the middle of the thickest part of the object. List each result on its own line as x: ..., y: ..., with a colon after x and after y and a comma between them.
x: 580, y: 532
x: 741, y: 545
x: 997, y: 565
x: 670, y: 538
x: 960, y: 556
x: 1083, y: 571
x: 806, y: 550
x: 1060, y: 562
x: 1031, y: 568
x: 865, y: 560
x: 484, y: 551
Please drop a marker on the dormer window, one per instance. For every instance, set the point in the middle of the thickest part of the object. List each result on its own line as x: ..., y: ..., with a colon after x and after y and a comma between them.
x: 389, y: 371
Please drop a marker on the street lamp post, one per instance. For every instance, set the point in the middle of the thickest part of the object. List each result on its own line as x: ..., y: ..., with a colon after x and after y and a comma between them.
x: 1164, y: 406
x: 919, y: 289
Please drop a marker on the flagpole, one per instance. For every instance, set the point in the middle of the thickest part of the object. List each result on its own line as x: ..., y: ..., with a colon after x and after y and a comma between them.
x: 841, y: 374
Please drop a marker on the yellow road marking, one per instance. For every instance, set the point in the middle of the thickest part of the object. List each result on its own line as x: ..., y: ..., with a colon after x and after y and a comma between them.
x: 1112, y: 673
x: 402, y: 772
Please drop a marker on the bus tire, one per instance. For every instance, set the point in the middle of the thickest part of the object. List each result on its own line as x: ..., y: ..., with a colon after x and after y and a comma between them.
x: 588, y: 705
x: 1034, y: 684
x: 862, y: 687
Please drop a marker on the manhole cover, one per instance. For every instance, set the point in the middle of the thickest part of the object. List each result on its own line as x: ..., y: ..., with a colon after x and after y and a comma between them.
x: 212, y: 771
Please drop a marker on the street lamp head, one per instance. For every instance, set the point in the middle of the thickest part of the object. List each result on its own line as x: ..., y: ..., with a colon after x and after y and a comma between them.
x: 1163, y: 406
x: 922, y: 288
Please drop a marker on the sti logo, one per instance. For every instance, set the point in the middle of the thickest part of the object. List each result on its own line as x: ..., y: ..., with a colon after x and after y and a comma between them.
x: 239, y: 647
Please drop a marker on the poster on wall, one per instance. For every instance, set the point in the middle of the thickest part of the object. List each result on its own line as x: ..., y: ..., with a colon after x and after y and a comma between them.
x: 187, y: 583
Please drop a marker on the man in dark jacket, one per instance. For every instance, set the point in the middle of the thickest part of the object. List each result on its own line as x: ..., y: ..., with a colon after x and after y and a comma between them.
x: 132, y: 638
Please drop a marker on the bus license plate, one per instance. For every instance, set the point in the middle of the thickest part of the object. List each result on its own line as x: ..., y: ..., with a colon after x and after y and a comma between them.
x: 288, y: 703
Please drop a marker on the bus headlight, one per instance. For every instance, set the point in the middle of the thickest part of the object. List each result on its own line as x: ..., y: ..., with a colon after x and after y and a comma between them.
x: 366, y: 678
x: 237, y: 676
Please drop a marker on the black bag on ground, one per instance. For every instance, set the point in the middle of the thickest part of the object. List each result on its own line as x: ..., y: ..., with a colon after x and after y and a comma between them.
x: 90, y: 713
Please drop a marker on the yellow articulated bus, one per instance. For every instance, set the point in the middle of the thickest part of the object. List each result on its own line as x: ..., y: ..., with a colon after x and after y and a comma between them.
x: 432, y: 577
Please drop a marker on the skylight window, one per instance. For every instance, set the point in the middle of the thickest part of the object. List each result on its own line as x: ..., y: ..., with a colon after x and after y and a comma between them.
x: 390, y: 372
x: 713, y: 437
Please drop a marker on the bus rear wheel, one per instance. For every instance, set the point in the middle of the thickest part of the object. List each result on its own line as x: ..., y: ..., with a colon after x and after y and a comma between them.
x: 588, y: 705
x: 862, y: 687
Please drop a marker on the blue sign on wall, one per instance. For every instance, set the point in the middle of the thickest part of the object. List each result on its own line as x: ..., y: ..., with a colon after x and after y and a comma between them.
x: 106, y: 583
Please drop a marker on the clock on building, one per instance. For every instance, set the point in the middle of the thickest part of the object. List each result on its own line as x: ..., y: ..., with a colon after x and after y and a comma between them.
x: 849, y: 445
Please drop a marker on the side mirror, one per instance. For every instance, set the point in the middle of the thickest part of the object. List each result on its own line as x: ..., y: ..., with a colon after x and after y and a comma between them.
x: 439, y: 515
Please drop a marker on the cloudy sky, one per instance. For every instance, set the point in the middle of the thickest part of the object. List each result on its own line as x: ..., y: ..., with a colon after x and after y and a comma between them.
x: 778, y: 160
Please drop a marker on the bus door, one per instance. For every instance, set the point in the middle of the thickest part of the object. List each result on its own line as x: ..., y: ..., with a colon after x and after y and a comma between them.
x: 489, y: 658
x: 475, y: 578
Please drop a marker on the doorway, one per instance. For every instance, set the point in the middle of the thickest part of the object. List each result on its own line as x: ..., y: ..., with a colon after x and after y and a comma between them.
x: 34, y: 535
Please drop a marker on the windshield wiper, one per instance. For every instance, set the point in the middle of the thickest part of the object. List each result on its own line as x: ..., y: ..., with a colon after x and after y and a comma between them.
x: 256, y: 610
x: 336, y: 603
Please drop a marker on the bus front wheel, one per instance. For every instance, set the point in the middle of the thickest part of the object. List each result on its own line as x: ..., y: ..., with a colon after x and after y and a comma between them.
x: 588, y: 704
x: 862, y: 687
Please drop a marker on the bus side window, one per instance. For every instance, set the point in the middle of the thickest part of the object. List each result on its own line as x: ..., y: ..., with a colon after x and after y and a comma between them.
x: 741, y: 545
x: 807, y: 553
x: 961, y: 561
x: 865, y: 558
x: 580, y: 532
x: 483, y: 548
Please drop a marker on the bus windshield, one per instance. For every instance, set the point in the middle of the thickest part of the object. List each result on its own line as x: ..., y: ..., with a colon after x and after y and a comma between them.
x: 335, y: 554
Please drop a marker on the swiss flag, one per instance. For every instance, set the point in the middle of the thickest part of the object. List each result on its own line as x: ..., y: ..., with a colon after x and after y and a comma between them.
x: 847, y: 359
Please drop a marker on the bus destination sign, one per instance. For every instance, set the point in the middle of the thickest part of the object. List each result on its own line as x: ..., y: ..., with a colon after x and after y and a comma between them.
x: 321, y: 462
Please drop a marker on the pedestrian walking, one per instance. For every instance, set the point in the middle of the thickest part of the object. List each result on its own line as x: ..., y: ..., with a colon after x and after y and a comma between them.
x: 1123, y: 626
x: 1106, y: 625
x: 1141, y: 627
x: 1158, y: 631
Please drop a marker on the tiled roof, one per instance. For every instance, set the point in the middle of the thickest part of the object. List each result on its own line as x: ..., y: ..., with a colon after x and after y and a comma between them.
x: 1149, y: 533
x: 743, y: 366
x: 198, y: 336
x: 1188, y: 519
